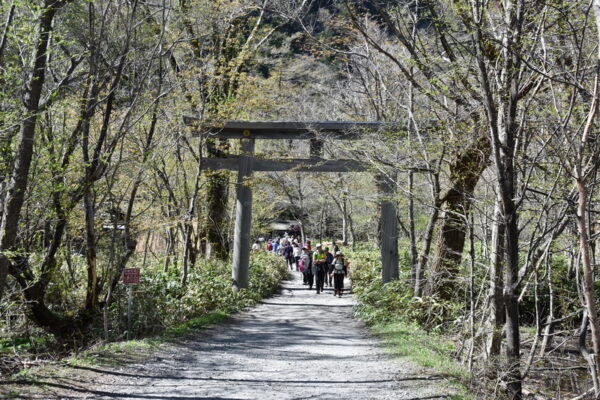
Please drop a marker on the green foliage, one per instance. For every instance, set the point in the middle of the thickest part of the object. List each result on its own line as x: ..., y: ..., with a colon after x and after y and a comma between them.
x: 394, y: 301
x: 162, y: 306
x: 564, y: 291
x: 161, y: 302
x: 410, y: 341
x: 21, y: 344
x: 407, y: 325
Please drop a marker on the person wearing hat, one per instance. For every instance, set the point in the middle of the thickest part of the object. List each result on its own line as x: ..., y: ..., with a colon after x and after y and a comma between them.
x: 340, y: 270
x: 305, y: 267
x: 319, y: 266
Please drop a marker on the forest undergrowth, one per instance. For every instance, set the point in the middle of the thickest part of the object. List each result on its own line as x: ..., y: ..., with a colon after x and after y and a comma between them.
x: 448, y: 338
x: 163, y: 310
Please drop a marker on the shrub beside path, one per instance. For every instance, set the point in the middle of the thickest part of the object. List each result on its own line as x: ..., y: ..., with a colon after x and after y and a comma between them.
x: 295, y: 345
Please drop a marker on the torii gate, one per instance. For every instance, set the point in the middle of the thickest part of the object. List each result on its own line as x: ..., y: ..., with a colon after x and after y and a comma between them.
x: 245, y: 164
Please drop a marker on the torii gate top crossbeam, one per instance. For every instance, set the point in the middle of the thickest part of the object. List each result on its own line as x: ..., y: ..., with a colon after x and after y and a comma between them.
x: 283, y: 129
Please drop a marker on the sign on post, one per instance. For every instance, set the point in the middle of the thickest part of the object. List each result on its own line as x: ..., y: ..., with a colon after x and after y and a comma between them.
x: 131, y: 275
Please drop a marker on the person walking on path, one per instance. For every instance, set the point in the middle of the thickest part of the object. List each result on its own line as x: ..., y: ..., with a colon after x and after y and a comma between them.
x: 297, y: 252
x: 340, y: 271
x: 319, y: 266
x: 329, y: 259
x: 307, y: 273
x: 288, y: 254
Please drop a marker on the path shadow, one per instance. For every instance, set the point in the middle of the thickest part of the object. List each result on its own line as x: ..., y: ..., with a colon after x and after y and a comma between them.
x: 238, y: 380
x: 307, y: 305
x: 110, y: 394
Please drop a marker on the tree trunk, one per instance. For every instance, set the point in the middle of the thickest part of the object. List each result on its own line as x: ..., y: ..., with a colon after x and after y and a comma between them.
x: 464, y: 175
x: 424, y: 256
x: 511, y: 294
x: 351, y: 227
x: 9, y: 227
x: 91, y: 299
x: 6, y: 138
x: 217, y: 194
x: 548, y: 335
x: 496, y: 302
x: 344, y: 221
x: 588, y: 273
x: 34, y: 293
x: 414, y: 255
x: 188, y: 251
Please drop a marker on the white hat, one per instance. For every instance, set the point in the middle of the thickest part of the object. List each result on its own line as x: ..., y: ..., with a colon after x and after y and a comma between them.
x: 338, y: 253
x: 318, y: 245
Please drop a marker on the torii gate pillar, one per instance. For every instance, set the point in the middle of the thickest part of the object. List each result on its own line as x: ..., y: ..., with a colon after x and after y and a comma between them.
x: 388, y: 230
x: 243, y: 216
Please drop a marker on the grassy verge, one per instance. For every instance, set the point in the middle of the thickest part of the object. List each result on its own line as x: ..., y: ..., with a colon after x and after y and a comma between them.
x: 412, y: 329
x: 433, y: 352
x: 124, y: 352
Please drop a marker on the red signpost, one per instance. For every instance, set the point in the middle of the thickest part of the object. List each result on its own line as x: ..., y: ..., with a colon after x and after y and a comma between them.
x: 131, y: 275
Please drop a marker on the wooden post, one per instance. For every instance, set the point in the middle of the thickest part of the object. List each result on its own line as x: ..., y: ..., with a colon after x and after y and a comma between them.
x: 243, y: 217
x: 388, y: 230
x: 129, y: 304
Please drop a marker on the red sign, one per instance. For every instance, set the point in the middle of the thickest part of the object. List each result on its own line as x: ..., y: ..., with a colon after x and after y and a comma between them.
x: 131, y: 275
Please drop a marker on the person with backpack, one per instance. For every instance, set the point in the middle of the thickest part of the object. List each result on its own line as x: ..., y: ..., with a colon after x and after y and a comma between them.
x: 340, y: 270
x: 319, y: 266
x: 305, y: 267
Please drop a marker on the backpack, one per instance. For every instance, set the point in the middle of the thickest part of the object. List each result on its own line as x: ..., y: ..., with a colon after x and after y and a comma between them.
x: 338, y: 267
x: 301, y: 265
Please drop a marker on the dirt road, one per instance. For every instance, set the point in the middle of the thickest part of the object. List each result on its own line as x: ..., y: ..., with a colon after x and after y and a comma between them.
x: 296, y: 345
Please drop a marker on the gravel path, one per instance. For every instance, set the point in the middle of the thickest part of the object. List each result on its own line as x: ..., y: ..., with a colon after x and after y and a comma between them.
x: 296, y: 345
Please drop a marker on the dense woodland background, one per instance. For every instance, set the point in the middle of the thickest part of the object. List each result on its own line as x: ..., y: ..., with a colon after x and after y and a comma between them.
x: 494, y: 152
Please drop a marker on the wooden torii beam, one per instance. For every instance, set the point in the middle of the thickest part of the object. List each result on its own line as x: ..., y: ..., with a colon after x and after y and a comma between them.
x: 245, y: 163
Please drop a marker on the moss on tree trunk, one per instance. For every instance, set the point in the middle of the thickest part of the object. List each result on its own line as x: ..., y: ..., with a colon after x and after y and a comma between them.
x: 465, y: 172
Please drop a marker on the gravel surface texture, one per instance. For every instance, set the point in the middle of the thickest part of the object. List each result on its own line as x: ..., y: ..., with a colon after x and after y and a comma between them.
x: 295, y: 345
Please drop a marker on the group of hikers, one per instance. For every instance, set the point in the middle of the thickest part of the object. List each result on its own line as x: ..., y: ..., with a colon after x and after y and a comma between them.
x: 320, y: 267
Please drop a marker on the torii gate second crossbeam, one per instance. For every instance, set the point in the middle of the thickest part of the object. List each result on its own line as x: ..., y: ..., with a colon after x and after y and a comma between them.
x: 245, y: 163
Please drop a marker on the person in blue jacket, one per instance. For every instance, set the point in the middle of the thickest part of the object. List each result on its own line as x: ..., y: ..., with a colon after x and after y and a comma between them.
x: 288, y: 254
